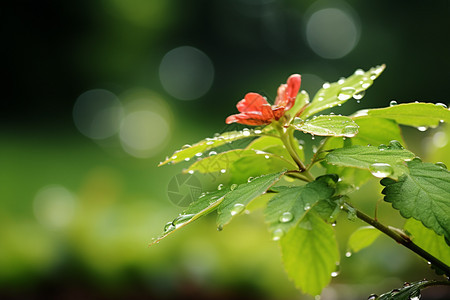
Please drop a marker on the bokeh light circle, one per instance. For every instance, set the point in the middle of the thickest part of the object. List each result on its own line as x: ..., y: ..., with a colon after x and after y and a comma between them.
x: 332, y: 32
x: 143, y: 133
x: 186, y: 73
x: 54, y: 206
x: 97, y: 114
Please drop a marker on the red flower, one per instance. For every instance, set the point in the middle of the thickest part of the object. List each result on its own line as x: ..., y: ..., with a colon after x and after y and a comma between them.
x: 255, y: 110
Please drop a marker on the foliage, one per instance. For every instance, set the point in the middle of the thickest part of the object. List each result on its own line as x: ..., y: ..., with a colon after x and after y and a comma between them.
x: 302, y: 208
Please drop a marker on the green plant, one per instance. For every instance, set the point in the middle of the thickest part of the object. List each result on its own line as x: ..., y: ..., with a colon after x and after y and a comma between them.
x: 300, y: 207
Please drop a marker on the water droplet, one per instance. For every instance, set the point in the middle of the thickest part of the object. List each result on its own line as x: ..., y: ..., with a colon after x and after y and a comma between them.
x: 173, y: 157
x: 366, y: 83
x: 334, y: 273
x: 348, y: 254
x: 382, y: 147
x: 359, y: 72
x: 381, y: 170
x: 341, y: 80
x: 422, y: 128
x: 312, y: 136
x: 333, y: 224
x: 350, y: 130
x: 429, y: 263
x: 186, y: 146
x: 182, y: 219
x: 359, y: 95
x: 441, y: 104
x: 372, y: 297
x: 277, y: 234
x: 169, y: 227
x: 209, y: 143
x: 416, y: 297
x: 220, y: 186
x: 326, y: 85
x: 237, y: 208
x: 250, y: 179
x: 266, y: 156
x: 346, y: 93
x: 307, y: 206
x: 394, y: 144
x: 286, y: 217
x: 246, y: 132
x: 233, y: 186
x: 198, y: 154
x: 211, y: 153
x: 191, y: 172
x: 405, y: 284
x: 187, y: 159
x: 257, y: 131
x: 441, y: 165
x: 223, y: 171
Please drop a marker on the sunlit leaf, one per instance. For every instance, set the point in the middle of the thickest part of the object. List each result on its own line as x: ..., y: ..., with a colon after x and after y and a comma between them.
x: 363, y: 237
x: 310, y: 253
x: 423, y: 194
x: 237, y: 200
x: 289, y: 206
x: 428, y: 240
x: 274, y: 145
x: 382, y: 162
x: 330, y: 125
x: 337, y: 93
x: 205, y: 204
x: 414, y: 114
x: 187, y: 151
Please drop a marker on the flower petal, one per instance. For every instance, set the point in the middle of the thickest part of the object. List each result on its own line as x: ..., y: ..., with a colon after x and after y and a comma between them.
x: 278, y: 112
x: 288, y: 92
x: 252, y: 118
x: 251, y: 102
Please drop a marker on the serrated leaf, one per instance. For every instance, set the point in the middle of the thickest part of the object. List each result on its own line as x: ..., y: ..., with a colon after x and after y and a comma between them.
x: 339, y: 92
x: 423, y: 194
x: 330, y: 125
x: 363, y: 237
x: 428, y: 240
x: 205, y: 204
x: 237, y: 200
x: 409, y: 291
x: 289, y: 206
x: 310, y: 254
x: 274, y: 145
x: 381, y: 162
x: 188, y: 151
x: 414, y: 114
x: 372, y: 131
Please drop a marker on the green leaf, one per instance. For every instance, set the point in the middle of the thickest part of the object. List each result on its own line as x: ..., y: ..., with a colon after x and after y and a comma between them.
x: 237, y: 200
x: 310, y: 253
x: 339, y: 92
x: 428, y: 240
x: 409, y: 291
x: 330, y: 125
x: 205, y: 204
x: 414, y: 114
x: 289, y: 206
x: 382, y: 161
x: 188, y: 151
x: 274, y: 145
x: 372, y: 131
x: 363, y: 237
x: 423, y: 194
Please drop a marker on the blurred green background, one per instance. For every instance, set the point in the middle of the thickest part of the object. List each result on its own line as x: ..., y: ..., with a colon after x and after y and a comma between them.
x: 97, y: 92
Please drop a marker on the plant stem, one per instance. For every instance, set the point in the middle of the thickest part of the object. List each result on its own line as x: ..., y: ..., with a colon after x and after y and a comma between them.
x: 400, y: 238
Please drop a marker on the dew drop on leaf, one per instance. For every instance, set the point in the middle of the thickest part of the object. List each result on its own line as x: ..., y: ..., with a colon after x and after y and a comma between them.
x: 307, y: 206
x: 382, y: 147
x: 441, y: 165
x: 286, y: 217
x: 393, y: 103
x: 348, y: 254
x: 168, y: 227
x: 266, y: 156
x: 441, y: 104
x: 191, y: 172
x: 182, y: 219
x: 233, y: 186
x: 341, y: 80
x: 220, y: 186
x: 350, y: 130
x: 381, y: 170
x: 422, y: 128
x: 372, y: 297
x: 187, y: 159
x: 223, y: 171
x: 359, y: 96
x: 394, y: 144
x: 346, y: 93
x: 211, y: 153
x: 198, y: 154
x: 250, y: 179
x: 277, y: 234
x: 237, y: 208
x: 257, y: 131
x: 326, y: 85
